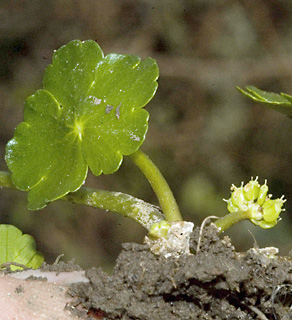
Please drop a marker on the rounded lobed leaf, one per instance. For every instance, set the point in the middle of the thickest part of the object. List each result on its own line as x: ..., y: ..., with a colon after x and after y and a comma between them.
x: 19, y: 248
x: 89, y: 114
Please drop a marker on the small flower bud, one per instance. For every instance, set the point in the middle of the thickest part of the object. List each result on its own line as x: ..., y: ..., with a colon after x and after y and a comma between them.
x: 251, y: 190
x: 238, y: 198
x: 159, y: 229
x: 231, y: 207
x: 262, y: 194
x: 264, y: 224
x: 272, y: 209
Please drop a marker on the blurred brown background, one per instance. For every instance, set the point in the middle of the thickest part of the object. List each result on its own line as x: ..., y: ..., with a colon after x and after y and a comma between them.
x: 203, y: 134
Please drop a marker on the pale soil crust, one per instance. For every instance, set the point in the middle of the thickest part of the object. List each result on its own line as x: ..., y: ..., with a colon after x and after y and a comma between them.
x: 215, y: 283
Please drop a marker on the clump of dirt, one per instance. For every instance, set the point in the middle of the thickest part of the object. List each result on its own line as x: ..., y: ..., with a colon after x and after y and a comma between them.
x: 61, y: 266
x: 214, y: 283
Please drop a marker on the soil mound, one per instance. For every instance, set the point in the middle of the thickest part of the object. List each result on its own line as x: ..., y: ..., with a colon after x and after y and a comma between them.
x: 215, y: 283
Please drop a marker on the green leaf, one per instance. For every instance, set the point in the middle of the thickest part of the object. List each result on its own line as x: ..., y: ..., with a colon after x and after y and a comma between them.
x: 89, y: 114
x: 279, y: 102
x: 18, y: 247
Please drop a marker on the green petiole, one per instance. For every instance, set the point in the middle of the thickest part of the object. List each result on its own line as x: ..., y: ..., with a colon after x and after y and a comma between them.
x: 140, y: 211
x: 159, y: 185
x: 136, y: 209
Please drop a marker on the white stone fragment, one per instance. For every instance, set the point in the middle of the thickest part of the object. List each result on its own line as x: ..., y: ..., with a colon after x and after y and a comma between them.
x: 270, y: 252
x: 176, y: 243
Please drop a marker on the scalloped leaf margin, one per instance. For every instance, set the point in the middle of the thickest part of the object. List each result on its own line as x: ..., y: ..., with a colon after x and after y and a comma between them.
x: 18, y: 247
x: 280, y: 102
x: 88, y: 114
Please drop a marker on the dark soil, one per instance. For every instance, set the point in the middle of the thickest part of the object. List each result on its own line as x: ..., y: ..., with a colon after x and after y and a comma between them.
x: 216, y: 283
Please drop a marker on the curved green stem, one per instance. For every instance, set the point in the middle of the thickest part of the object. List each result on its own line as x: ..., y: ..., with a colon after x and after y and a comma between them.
x: 140, y: 211
x: 232, y: 218
x: 160, y: 186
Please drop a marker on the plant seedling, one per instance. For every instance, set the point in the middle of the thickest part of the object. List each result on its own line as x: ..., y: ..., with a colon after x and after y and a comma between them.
x: 89, y: 115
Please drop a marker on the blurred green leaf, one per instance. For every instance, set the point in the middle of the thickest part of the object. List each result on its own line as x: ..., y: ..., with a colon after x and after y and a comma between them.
x: 18, y: 247
x: 88, y: 114
x: 280, y: 102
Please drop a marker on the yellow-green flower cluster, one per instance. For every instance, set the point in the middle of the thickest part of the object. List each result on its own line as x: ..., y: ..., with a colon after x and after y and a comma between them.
x: 254, y: 199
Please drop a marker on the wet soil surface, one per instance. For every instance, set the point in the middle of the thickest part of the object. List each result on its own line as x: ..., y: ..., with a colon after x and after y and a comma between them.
x: 214, y: 283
